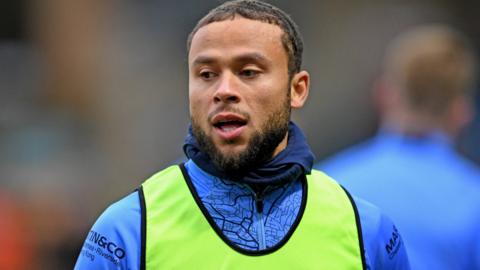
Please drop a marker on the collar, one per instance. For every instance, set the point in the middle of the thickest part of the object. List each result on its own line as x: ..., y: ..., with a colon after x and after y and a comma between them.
x: 296, y: 159
x: 435, y: 141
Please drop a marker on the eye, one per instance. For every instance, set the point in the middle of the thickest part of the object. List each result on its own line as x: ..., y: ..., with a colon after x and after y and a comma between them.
x: 207, y: 75
x: 249, y: 73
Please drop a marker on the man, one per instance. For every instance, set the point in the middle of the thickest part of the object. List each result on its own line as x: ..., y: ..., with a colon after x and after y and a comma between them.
x: 410, y: 169
x: 242, y: 201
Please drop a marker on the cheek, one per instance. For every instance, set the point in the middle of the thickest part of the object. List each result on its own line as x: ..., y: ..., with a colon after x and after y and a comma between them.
x: 261, y: 109
x: 198, y: 105
x: 269, y: 98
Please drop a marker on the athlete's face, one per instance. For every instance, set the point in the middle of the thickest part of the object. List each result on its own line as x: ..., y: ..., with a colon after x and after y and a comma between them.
x: 240, y: 93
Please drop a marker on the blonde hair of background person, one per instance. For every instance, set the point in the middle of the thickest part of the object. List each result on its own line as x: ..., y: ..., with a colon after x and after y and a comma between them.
x: 428, y: 78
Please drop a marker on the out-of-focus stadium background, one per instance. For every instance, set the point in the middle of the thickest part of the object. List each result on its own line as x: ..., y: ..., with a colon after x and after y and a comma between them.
x: 93, y: 99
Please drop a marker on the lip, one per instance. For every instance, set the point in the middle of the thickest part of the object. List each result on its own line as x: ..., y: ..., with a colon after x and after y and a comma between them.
x: 229, y: 132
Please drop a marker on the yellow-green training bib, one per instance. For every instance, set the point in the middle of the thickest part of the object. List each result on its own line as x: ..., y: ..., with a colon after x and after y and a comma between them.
x: 177, y: 233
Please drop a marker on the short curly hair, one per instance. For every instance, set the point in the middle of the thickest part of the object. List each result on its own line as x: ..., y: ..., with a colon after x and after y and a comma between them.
x: 264, y: 12
x: 432, y: 64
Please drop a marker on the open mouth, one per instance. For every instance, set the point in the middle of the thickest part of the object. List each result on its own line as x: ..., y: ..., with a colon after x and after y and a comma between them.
x: 229, y: 126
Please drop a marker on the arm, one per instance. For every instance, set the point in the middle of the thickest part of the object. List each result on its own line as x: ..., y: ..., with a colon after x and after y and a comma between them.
x: 114, y: 240
x: 384, y: 247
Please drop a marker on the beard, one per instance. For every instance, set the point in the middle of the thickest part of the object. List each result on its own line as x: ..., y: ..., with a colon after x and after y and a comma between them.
x: 260, y: 147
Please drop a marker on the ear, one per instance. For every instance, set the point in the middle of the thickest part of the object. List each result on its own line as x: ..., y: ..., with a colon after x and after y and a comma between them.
x: 383, y: 95
x: 386, y: 97
x: 459, y: 114
x: 299, y: 88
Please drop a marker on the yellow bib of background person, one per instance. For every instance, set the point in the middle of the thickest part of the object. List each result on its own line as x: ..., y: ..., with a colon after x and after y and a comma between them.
x: 177, y: 235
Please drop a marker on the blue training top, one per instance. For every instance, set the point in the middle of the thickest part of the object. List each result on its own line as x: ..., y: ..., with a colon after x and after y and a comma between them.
x: 114, y: 240
x: 431, y: 192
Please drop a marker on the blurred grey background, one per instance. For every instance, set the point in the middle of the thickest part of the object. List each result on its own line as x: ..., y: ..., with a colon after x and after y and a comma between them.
x: 93, y: 100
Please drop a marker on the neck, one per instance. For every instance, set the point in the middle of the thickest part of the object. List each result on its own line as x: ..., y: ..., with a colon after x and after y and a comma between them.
x: 291, y: 158
x: 281, y: 146
x: 416, y: 124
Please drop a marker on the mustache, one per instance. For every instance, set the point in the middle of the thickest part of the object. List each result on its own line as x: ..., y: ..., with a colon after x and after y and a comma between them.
x: 230, y: 109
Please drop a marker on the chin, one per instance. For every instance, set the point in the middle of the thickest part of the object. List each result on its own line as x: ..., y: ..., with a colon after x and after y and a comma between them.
x: 231, y: 150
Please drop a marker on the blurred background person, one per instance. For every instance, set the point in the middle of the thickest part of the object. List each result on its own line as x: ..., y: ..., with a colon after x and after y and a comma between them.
x: 410, y: 169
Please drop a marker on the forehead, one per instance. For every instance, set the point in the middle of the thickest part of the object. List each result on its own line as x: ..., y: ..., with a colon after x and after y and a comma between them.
x: 237, y: 36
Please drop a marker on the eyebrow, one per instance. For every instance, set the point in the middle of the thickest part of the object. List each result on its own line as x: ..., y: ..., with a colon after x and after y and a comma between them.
x: 254, y: 57
x: 203, y: 60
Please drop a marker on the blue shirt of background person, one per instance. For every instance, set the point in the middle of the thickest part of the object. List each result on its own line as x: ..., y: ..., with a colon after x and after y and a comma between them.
x: 411, y: 169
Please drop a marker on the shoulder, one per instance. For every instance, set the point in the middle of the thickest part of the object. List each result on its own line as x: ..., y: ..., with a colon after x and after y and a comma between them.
x: 120, y: 212
x: 469, y: 170
x: 383, y: 244
x: 114, y: 240
x: 354, y: 158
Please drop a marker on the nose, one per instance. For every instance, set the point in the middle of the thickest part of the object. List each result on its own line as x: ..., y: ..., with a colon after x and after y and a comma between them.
x: 227, y: 90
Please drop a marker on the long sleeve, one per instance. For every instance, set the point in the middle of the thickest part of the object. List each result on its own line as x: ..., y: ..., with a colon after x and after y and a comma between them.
x: 114, y: 240
x: 384, y: 247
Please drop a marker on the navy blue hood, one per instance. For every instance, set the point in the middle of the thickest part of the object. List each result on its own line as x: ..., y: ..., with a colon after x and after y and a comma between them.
x: 296, y: 159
